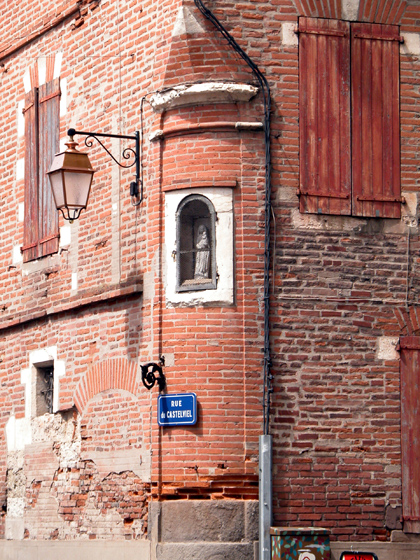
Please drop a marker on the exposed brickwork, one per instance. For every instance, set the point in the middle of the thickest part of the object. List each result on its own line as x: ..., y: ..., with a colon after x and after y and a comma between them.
x: 120, y: 499
x: 209, y: 488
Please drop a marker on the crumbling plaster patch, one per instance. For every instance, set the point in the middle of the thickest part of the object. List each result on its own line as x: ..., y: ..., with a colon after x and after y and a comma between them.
x: 137, y: 461
x: 18, y: 433
x: 58, y: 433
x: 52, y: 493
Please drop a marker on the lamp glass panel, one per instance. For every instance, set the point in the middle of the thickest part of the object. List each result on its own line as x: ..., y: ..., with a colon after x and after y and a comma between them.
x: 56, y: 181
x: 77, y: 187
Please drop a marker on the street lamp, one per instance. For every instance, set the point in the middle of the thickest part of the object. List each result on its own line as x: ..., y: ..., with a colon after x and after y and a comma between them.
x: 71, y: 173
x: 71, y: 176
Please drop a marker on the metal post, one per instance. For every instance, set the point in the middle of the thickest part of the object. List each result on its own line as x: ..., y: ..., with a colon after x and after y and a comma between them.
x: 265, y: 496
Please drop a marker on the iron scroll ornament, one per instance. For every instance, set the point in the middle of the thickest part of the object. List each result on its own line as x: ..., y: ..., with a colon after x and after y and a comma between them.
x: 127, y: 154
x: 149, y: 378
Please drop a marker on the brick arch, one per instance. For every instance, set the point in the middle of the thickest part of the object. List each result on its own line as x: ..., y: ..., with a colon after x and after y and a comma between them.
x: 109, y: 374
x: 324, y: 8
x: 378, y: 11
x: 408, y: 320
x: 374, y: 11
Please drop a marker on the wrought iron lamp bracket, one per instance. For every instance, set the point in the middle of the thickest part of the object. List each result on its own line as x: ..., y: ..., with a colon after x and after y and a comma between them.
x: 136, y: 187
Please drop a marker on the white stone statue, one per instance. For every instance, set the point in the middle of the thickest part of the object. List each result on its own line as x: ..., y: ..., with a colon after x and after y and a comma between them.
x: 202, y: 258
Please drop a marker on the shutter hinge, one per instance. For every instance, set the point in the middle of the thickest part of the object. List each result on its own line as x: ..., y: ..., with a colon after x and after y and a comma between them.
x: 377, y: 37
x: 26, y: 247
x: 50, y: 238
x: 27, y: 108
x: 50, y: 96
x: 329, y: 32
x: 400, y: 200
x: 319, y: 195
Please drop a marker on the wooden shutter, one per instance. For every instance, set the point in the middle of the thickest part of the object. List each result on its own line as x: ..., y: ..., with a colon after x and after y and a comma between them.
x: 30, y: 234
x: 324, y: 116
x: 375, y: 120
x: 42, y: 114
x: 49, y: 141
x: 410, y: 431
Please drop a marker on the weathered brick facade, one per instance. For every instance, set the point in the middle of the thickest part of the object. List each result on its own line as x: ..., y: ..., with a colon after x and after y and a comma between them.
x: 343, y: 291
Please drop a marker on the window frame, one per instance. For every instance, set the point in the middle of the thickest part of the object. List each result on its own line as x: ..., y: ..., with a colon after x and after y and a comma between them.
x: 222, y: 199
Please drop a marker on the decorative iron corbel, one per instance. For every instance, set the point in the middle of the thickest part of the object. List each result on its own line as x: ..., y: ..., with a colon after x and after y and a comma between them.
x: 148, y: 375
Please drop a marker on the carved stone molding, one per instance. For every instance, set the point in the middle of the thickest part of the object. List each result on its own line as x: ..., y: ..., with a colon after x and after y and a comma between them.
x: 202, y: 93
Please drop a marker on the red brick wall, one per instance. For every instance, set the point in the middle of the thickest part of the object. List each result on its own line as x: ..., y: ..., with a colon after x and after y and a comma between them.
x: 338, y: 286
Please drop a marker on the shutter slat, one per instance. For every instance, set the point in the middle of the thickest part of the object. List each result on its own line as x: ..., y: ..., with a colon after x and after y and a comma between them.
x: 324, y: 109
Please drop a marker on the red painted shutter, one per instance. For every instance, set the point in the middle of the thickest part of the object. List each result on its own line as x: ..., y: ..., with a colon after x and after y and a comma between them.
x: 324, y: 116
x: 30, y: 234
x: 375, y: 120
x: 49, y: 139
x: 410, y: 434
x: 42, y: 128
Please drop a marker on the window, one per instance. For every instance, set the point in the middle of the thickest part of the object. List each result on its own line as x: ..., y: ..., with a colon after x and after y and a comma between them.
x: 44, y: 390
x: 42, y: 114
x: 196, y: 263
x: 349, y: 118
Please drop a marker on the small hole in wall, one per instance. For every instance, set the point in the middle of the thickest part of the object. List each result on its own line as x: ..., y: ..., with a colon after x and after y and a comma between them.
x: 44, y: 387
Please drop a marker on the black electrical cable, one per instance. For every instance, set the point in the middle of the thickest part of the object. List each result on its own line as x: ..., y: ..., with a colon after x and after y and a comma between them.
x: 265, y: 89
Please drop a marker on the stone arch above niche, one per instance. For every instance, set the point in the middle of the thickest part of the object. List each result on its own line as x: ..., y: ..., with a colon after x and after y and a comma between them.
x: 109, y: 374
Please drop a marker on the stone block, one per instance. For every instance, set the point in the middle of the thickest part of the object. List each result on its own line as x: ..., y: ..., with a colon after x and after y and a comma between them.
x: 202, y: 520
x: 206, y: 551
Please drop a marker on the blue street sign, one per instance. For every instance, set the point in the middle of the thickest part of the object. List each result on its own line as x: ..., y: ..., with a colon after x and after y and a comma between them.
x: 177, y: 410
